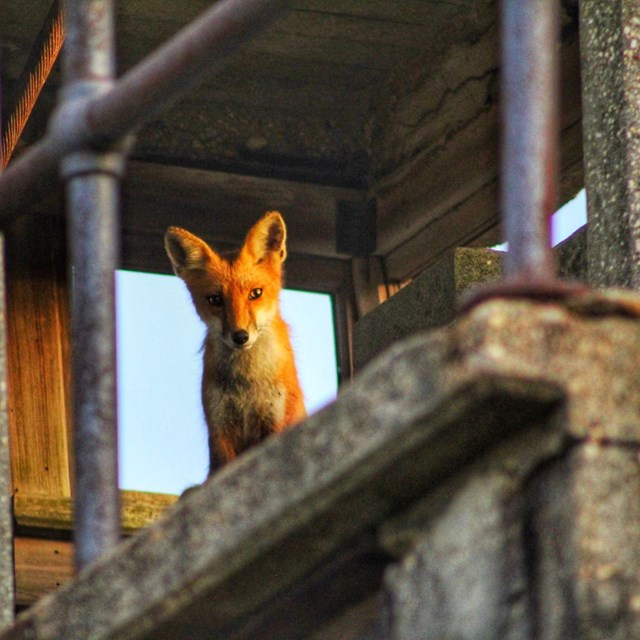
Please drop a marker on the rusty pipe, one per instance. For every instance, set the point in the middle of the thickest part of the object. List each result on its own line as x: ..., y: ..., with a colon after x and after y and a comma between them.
x: 529, y: 158
x: 92, y: 181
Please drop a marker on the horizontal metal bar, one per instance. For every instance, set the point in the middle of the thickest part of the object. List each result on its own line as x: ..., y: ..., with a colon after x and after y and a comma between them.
x: 143, y: 92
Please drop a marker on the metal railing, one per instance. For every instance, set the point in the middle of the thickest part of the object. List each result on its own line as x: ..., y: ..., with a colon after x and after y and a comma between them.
x: 87, y: 142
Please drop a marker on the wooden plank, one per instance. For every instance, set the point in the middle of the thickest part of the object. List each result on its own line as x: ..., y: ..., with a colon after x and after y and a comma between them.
x: 41, y: 567
x: 446, y: 194
x: 474, y: 217
x: 375, y: 36
x: 414, y: 11
x: 38, y: 357
x: 223, y: 206
x: 431, y: 190
x: 145, y: 252
x: 139, y: 510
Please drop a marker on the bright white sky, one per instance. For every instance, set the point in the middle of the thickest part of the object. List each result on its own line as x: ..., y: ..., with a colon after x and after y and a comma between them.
x: 163, y: 443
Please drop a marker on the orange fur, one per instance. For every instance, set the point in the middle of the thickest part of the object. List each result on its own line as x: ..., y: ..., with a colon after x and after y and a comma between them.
x: 250, y: 385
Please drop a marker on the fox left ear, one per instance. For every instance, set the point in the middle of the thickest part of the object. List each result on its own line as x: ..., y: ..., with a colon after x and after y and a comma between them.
x: 186, y: 251
x: 267, y: 238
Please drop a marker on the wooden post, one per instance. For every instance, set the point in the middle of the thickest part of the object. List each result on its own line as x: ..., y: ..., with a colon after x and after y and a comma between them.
x: 38, y: 358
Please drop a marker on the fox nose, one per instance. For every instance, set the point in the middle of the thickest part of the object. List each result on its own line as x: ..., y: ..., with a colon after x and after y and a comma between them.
x: 240, y: 337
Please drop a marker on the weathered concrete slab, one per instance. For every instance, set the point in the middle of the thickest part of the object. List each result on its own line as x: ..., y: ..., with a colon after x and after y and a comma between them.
x: 538, y: 539
x: 428, y: 302
x: 431, y: 300
x: 609, y: 38
x: 262, y: 524
x: 543, y: 379
x: 571, y: 256
x: 461, y: 581
x: 584, y: 524
x: 462, y: 565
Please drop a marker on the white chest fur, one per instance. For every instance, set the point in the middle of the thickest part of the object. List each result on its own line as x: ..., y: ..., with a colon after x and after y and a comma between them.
x: 241, y: 390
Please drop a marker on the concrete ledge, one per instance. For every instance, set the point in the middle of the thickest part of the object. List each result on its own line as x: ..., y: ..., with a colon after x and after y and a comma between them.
x: 243, y: 547
x: 430, y: 301
x: 229, y: 550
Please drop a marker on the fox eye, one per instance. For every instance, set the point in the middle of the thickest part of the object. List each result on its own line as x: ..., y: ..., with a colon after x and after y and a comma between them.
x: 215, y: 300
x: 255, y: 293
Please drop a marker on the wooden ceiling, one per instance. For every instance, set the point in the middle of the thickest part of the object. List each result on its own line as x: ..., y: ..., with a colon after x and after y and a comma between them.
x: 385, y: 108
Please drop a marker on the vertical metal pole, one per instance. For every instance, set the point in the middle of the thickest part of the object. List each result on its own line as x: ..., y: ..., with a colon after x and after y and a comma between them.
x: 7, y: 582
x: 530, y: 90
x: 92, y: 187
x: 7, y: 585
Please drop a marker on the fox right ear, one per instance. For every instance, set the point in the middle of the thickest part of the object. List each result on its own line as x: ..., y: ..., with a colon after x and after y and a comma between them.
x: 186, y: 251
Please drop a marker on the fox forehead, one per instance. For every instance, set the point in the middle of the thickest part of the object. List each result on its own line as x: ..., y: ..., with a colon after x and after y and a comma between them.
x: 235, y: 276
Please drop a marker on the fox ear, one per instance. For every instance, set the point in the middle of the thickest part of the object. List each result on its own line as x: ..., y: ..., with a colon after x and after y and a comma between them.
x: 267, y: 238
x: 186, y: 251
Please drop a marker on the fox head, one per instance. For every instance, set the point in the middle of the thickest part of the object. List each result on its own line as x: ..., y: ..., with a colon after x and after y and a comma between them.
x: 236, y: 297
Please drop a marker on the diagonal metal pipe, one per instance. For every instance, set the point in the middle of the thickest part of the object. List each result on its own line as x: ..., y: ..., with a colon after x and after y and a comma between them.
x: 143, y: 92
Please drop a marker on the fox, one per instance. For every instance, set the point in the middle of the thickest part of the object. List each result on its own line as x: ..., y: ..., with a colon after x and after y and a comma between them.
x: 250, y: 386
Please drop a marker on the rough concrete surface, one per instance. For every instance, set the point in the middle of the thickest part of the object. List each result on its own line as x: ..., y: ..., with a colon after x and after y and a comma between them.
x: 610, y: 48
x: 416, y: 425
x: 431, y: 299
x: 428, y: 302
x: 261, y: 524
x: 462, y: 569
x: 540, y: 539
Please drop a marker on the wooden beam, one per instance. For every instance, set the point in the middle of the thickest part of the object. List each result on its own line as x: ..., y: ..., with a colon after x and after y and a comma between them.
x: 41, y: 567
x: 222, y: 206
x: 446, y: 194
x: 38, y: 357
x: 139, y: 509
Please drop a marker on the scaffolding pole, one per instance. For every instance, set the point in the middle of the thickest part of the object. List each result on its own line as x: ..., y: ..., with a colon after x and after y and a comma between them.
x: 530, y: 96
x: 530, y: 105
x: 92, y: 180
x: 7, y: 583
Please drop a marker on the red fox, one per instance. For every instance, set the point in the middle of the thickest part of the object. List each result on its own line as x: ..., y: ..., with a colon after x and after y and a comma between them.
x: 250, y: 385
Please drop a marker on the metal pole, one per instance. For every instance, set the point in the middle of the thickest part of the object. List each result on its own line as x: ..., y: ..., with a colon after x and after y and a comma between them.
x: 7, y: 568
x: 141, y: 94
x: 92, y: 187
x: 530, y: 91
x: 529, y: 152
